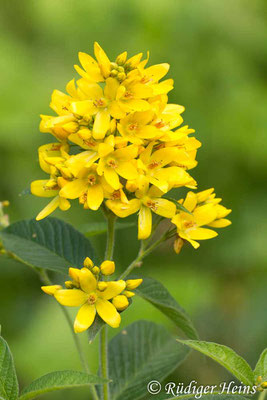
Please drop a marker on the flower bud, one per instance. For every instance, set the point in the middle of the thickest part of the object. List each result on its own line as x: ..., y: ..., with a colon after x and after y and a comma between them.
x: 121, y: 76
x: 264, y: 385
x: 71, y: 284
x: 102, y: 286
x: 128, y: 293
x: 88, y: 263
x: 133, y: 283
x: 121, y: 59
x: 107, y: 267
x: 178, y: 244
x: 84, y: 134
x: 5, y: 203
x: 120, y: 302
x: 51, y: 290
x: 114, y: 73
x: 74, y: 273
x: 96, y: 270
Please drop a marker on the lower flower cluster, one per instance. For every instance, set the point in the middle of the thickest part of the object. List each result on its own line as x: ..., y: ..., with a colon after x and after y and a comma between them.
x: 93, y: 295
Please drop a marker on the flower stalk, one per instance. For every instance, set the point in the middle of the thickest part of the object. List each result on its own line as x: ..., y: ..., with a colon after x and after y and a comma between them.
x: 111, y: 218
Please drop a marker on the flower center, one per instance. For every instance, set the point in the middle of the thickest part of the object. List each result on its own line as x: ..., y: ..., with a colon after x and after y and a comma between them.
x: 160, y: 124
x: 128, y: 95
x: 154, y: 164
x: 189, y: 224
x: 152, y: 205
x: 146, y: 79
x: 92, y: 298
x: 116, y: 195
x: 100, y: 103
x: 132, y: 127
x: 92, y: 179
x: 112, y: 163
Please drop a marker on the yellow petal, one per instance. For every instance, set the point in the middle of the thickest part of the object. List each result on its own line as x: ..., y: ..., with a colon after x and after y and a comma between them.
x: 110, y: 90
x: 74, y: 273
x: 220, y: 223
x: 164, y: 207
x: 108, y: 313
x: 74, y: 189
x: 51, y: 290
x: 132, y: 284
x: 52, y: 206
x: 204, y: 215
x: 102, y: 59
x: 190, y: 201
x: 127, y: 170
x: 192, y: 242
x: 84, y: 318
x: 85, y: 159
x: 101, y: 124
x: 91, y: 67
x: 39, y: 188
x: 204, y: 195
x: 158, y: 71
x: 85, y: 107
x: 87, y: 280
x: 135, y: 105
x: 64, y: 204
x: 112, y: 178
x: 144, y: 222
x: 71, y: 297
x: 126, y: 153
x: 202, y: 234
x: 113, y: 289
x: 95, y: 196
x: 123, y: 210
x: 120, y: 302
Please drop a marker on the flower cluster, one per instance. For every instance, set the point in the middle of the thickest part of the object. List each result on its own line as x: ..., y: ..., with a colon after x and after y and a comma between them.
x: 119, y: 141
x: 204, y: 210
x: 87, y: 290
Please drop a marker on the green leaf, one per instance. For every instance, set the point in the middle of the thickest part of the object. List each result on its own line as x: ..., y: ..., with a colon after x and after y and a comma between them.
x: 154, y: 292
x: 59, y: 380
x: 98, y: 228
x: 261, y: 367
x: 9, y: 387
x: 225, y: 356
x: 50, y: 243
x: 139, y: 353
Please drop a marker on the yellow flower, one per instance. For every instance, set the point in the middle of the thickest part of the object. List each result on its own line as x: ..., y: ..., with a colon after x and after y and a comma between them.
x: 113, y: 164
x: 156, y: 170
x: 93, y: 296
x: 99, y: 103
x: 89, y: 186
x: 136, y: 127
x: 147, y: 200
x: 204, y: 211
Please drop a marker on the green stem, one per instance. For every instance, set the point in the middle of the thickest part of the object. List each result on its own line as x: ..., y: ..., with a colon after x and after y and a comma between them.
x: 104, y: 359
x: 45, y: 279
x: 143, y: 252
x: 262, y: 395
x: 111, y: 218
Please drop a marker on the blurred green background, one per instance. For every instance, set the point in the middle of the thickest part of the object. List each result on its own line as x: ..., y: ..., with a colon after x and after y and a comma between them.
x: 218, y: 56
